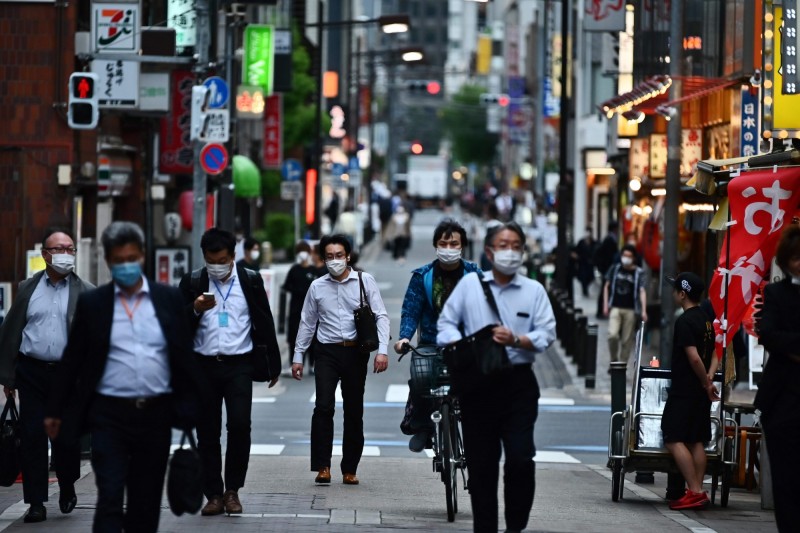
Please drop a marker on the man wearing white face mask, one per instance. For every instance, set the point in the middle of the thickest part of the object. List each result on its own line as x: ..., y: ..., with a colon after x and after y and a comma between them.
x: 328, y: 310
x: 427, y: 292
x: 235, y: 344
x: 624, y: 303
x: 500, y: 412
x: 32, y: 340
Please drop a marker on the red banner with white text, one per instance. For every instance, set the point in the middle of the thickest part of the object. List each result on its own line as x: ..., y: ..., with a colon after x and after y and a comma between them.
x: 761, y: 204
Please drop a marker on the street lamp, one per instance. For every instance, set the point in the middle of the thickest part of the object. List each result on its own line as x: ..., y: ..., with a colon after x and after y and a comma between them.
x: 389, y: 24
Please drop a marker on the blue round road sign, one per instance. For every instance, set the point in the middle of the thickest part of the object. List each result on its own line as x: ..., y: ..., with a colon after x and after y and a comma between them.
x: 292, y: 170
x: 213, y: 158
x: 219, y: 92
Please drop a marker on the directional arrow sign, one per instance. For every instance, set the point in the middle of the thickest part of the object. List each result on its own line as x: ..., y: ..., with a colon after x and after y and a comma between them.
x: 292, y: 170
x: 219, y: 92
x: 213, y: 158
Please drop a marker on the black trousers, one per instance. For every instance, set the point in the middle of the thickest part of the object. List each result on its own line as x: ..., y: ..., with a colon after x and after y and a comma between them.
x: 499, y: 416
x: 782, y: 433
x: 34, y: 381
x: 229, y: 379
x: 332, y: 365
x: 130, y: 447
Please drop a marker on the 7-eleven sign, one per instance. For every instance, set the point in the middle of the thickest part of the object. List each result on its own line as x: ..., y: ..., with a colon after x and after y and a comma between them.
x: 115, y: 27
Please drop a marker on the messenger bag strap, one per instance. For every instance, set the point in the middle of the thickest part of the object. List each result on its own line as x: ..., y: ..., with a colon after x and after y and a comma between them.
x: 362, y: 291
x: 487, y: 291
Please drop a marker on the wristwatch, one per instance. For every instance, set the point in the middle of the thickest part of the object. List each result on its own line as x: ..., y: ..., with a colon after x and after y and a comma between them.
x: 517, y: 342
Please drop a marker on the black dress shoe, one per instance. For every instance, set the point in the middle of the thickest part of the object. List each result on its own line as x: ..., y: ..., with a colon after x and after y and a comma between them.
x: 67, y: 504
x: 36, y: 513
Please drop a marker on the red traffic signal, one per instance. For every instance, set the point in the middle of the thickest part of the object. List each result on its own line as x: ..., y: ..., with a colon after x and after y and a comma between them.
x: 416, y: 148
x: 82, y: 86
x: 503, y: 100
x: 433, y: 87
x: 83, y: 107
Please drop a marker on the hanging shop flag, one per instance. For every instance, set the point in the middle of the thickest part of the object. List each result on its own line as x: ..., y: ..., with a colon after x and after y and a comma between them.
x: 761, y: 204
x: 604, y: 15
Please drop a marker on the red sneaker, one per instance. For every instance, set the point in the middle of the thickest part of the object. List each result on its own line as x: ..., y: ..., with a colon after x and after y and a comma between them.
x: 690, y: 500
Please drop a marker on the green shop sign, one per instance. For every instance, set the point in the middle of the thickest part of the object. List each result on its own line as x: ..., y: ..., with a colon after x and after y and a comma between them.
x: 259, y: 46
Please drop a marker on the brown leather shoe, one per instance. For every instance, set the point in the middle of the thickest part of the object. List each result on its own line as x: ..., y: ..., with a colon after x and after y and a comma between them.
x: 232, y: 503
x: 213, y: 507
x: 350, y: 479
x: 324, y: 475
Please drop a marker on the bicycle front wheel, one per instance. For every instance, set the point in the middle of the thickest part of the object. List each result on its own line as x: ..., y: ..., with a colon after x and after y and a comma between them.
x: 448, y: 470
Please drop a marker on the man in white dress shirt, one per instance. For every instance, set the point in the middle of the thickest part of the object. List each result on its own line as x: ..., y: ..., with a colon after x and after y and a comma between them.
x: 328, y: 309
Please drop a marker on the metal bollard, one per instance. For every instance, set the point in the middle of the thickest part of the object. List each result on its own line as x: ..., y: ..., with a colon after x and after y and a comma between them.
x: 580, y: 344
x: 618, y: 397
x: 569, y: 327
x: 590, y: 356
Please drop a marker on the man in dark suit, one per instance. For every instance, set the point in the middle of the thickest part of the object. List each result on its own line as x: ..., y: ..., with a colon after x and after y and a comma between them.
x: 235, y: 344
x: 32, y: 341
x: 128, y: 376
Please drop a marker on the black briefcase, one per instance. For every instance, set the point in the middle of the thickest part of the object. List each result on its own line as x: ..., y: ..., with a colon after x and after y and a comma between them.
x: 366, y: 327
x: 10, y: 460
x: 185, y: 478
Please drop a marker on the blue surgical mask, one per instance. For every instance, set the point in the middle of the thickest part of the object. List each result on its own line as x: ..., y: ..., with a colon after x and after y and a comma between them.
x: 126, y: 274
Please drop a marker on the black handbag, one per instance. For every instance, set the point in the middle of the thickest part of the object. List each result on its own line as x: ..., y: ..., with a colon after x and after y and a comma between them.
x: 185, y: 478
x: 478, y: 355
x: 366, y: 327
x: 10, y: 460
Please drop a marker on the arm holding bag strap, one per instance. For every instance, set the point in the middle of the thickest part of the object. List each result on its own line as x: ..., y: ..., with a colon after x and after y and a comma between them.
x: 366, y: 327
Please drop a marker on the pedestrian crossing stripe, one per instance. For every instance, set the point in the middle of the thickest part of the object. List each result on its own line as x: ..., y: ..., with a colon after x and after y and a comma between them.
x: 266, y: 399
x: 541, y: 457
x: 339, y: 398
x: 397, y: 393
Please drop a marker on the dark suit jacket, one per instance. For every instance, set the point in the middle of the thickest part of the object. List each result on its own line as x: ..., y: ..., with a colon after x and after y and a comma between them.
x: 266, y: 354
x: 17, y: 319
x: 780, y: 335
x: 87, y: 349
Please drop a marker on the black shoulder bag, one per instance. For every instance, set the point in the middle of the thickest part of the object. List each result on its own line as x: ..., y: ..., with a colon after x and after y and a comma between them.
x: 185, y: 478
x: 10, y: 453
x: 366, y: 327
x: 478, y: 355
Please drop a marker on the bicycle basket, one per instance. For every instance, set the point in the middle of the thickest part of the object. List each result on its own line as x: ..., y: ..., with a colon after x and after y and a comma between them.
x: 428, y: 372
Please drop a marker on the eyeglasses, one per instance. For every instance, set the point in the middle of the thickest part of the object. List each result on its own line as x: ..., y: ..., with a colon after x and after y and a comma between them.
x: 62, y: 250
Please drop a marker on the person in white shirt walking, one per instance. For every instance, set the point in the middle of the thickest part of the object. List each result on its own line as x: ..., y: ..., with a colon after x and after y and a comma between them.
x: 328, y: 309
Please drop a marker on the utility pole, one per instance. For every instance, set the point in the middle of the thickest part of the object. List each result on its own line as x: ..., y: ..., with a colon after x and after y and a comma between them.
x: 669, y: 257
x: 564, y: 184
x: 199, y: 177
x: 317, y: 225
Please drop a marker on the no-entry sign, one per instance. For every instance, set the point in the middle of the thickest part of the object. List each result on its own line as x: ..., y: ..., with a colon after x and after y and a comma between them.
x: 213, y: 158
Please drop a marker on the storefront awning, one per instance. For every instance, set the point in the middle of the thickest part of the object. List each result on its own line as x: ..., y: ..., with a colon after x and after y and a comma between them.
x: 651, y: 95
x: 246, y: 177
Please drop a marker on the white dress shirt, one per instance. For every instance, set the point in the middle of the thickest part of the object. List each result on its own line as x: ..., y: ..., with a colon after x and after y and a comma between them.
x: 234, y: 339
x: 331, y: 303
x: 138, y: 362
x: 45, y: 333
x: 524, y: 309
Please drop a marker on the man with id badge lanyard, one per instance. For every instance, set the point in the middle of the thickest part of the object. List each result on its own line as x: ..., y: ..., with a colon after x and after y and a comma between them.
x: 235, y: 344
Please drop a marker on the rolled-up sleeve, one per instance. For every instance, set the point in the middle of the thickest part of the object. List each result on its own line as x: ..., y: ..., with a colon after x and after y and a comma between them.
x: 381, y: 316
x: 308, y: 324
x: 451, y: 317
x: 543, y: 320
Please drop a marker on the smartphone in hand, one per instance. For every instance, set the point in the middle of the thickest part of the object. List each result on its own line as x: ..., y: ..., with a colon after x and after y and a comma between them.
x: 209, y: 296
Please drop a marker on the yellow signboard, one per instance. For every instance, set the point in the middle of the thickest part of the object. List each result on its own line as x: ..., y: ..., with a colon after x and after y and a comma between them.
x: 782, y: 74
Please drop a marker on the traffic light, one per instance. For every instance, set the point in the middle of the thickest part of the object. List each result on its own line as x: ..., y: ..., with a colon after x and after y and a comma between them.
x: 495, y: 99
x: 199, y: 123
x: 83, y: 109
x: 430, y: 87
x: 609, y: 58
x: 416, y: 148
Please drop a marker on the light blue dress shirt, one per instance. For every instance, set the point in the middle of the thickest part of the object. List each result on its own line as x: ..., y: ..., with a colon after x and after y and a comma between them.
x: 524, y: 309
x: 332, y: 303
x: 45, y: 333
x: 138, y: 362
x: 233, y: 339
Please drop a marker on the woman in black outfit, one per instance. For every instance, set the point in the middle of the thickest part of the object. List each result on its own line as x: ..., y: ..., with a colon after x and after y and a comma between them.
x: 778, y: 395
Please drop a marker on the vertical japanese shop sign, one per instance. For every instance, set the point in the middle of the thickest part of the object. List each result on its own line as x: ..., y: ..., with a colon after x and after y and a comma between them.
x: 658, y: 155
x: 691, y: 150
x: 639, y: 158
x: 273, y: 131
x: 748, y: 133
x: 175, y: 144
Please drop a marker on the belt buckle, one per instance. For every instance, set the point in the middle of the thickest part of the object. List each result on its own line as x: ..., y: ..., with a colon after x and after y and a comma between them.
x: 140, y: 403
x: 219, y: 358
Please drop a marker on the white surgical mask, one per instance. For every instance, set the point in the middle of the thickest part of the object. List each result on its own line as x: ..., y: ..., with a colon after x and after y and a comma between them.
x: 302, y: 257
x: 448, y: 256
x: 254, y: 255
x: 62, y: 263
x: 336, y: 267
x: 626, y: 261
x: 507, y: 261
x: 218, y: 271
x: 795, y: 280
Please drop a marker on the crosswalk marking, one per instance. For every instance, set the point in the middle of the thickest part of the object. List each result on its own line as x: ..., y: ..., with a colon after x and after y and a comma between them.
x: 339, y: 398
x: 556, y: 401
x: 397, y: 393
x: 266, y: 399
x: 554, y: 457
x: 266, y: 449
x: 369, y: 451
x: 384, y: 285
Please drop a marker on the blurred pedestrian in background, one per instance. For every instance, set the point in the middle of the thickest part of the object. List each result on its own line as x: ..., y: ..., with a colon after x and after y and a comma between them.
x: 252, y: 255
x: 778, y: 395
x: 298, y: 280
x: 585, y: 268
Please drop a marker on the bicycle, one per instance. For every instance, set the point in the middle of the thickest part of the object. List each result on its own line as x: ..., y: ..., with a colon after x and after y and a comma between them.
x: 431, y: 379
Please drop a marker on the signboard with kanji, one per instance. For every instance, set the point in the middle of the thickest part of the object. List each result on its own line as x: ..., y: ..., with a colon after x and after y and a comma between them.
x: 175, y: 146
x: 273, y: 131
x: 182, y: 17
x: 691, y: 150
x: 639, y: 158
x: 257, y: 63
x: 118, y: 84
x: 748, y: 132
x: 658, y: 155
x: 115, y: 27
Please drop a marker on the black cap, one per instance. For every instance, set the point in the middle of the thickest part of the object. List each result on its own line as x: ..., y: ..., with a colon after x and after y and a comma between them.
x: 690, y: 283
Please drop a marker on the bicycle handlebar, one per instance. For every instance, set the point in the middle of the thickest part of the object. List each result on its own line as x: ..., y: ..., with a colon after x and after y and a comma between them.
x: 408, y: 347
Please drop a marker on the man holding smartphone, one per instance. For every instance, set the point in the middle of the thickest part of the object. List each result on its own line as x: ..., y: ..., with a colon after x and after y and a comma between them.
x: 235, y: 344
